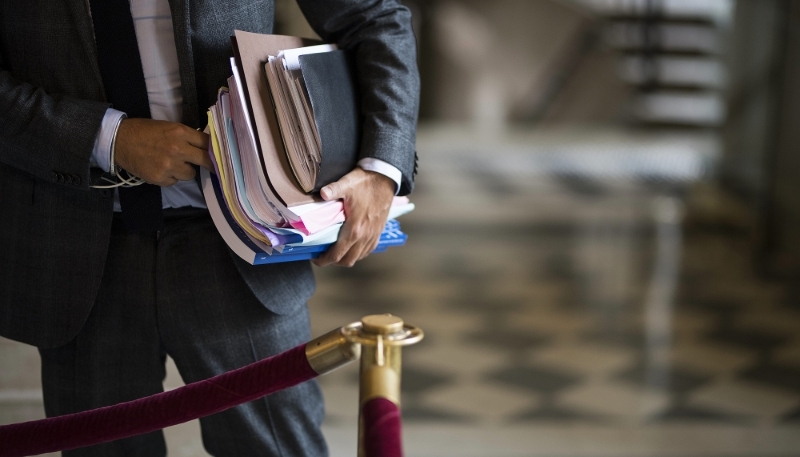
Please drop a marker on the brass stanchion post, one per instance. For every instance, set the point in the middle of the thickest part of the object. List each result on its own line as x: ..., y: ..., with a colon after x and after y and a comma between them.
x: 382, y: 338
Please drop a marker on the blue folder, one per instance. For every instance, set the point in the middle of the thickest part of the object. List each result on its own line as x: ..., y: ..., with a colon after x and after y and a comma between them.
x: 391, y: 236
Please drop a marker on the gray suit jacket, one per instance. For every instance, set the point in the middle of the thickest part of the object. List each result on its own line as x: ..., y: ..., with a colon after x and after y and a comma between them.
x: 54, y: 229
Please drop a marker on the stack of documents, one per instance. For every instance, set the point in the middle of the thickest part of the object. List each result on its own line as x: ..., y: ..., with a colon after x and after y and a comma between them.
x: 272, y: 150
x: 316, y: 99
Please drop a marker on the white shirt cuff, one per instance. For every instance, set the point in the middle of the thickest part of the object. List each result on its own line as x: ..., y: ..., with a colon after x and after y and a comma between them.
x: 101, y: 154
x: 384, y: 168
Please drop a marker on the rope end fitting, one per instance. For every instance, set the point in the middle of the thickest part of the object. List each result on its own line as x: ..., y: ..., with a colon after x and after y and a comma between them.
x: 331, y: 351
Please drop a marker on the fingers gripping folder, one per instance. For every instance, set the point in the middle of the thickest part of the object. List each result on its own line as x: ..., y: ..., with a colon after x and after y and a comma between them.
x: 377, y: 339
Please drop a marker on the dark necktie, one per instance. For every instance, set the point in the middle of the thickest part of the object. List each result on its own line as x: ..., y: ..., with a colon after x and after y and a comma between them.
x: 123, y: 78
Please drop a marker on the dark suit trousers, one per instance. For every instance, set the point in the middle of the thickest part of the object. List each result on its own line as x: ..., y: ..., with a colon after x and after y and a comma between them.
x: 179, y: 293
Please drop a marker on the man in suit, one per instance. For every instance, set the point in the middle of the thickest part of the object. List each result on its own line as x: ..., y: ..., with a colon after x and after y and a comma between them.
x: 106, y: 289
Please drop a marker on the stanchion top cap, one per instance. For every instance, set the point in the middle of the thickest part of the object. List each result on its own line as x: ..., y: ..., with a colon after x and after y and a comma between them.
x: 382, y: 324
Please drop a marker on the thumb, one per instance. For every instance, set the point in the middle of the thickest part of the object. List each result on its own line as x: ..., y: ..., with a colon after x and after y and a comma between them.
x: 330, y: 192
x: 342, y: 187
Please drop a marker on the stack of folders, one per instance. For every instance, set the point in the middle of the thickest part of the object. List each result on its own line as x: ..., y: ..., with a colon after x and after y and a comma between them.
x: 286, y: 125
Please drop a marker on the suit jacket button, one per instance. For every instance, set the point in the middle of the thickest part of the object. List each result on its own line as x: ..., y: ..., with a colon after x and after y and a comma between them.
x: 76, y: 180
x: 54, y: 176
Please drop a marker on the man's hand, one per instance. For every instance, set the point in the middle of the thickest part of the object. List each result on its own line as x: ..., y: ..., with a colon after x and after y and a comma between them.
x: 367, y: 198
x: 160, y: 152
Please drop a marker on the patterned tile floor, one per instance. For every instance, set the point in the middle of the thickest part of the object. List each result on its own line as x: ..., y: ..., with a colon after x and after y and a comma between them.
x: 520, y: 345
x: 561, y: 320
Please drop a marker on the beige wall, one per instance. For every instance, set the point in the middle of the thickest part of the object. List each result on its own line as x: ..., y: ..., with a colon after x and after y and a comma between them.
x: 493, y: 62
x: 500, y: 61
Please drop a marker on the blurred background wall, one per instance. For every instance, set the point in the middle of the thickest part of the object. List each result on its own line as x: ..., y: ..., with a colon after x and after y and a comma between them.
x: 720, y: 69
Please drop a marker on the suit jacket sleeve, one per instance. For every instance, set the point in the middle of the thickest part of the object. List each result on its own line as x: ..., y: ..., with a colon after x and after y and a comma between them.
x: 46, y: 135
x: 380, y: 34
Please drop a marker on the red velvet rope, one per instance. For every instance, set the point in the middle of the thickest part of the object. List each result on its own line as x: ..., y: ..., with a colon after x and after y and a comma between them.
x: 155, y: 412
x: 382, y: 437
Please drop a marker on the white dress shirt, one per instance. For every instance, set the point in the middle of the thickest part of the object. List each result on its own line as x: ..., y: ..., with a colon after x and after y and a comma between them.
x: 153, y: 23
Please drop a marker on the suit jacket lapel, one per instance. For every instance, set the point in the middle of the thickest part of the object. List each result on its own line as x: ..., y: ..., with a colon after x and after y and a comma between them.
x: 79, y: 9
x: 183, y: 42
